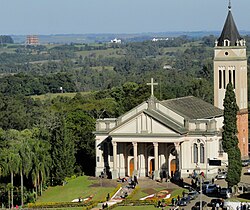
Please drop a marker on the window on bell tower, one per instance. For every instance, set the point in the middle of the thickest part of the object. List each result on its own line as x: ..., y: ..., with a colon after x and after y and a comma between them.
x: 220, y: 79
x: 226, y: 43
x: 224, y: 79
x: 230, y: 76
x: 234, y: 79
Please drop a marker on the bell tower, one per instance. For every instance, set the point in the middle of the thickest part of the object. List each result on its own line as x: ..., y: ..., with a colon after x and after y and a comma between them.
x: 230, y: 65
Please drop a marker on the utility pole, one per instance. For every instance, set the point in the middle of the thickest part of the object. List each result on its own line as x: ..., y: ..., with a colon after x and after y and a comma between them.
x: 200, y: 191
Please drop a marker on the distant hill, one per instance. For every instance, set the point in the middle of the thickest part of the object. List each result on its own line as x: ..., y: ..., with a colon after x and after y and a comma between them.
x: 100, y: 38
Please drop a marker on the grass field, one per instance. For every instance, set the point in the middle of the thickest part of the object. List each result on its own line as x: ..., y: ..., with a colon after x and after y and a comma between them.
x: 54, y: 95
x: 107, y: 53
x: 79, y: 187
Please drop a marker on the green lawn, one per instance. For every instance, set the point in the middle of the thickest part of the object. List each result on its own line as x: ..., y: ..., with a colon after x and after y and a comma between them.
x: 54, y: 95
x: 142, y: 192
x: 79, y: 187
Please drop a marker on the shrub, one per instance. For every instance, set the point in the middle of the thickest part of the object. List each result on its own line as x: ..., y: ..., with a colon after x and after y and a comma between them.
x: 62, y: 204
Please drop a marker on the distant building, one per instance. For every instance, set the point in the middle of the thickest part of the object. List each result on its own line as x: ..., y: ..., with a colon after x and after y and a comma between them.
x: 32, y: 40
x: 160, y: 39
x: 115, y: 40
x: 166, y: 66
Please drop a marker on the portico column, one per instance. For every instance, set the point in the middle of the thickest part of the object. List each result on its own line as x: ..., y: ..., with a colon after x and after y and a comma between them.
x: 156, y: 172
x: 177, y: 149
x: 114, y: 155
x: 114, y: 174
x: 135, y: 157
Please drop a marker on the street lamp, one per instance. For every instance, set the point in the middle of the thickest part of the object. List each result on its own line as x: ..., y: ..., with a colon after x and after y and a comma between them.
x: 207, y: 159
x: 201, y: 177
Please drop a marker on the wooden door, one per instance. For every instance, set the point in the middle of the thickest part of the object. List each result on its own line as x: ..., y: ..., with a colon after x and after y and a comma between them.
x: 151, y: 166
x: 173, y: 167
x: 131, y: 167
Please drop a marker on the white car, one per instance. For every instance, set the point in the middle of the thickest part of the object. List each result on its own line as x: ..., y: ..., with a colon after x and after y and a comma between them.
x: 221, y: 175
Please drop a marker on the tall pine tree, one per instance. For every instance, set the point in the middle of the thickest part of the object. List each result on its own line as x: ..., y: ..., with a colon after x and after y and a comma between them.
x: 62, y: 152
x: 230, y: 139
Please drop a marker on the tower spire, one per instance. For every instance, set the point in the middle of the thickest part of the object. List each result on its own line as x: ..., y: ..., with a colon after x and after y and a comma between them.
x: 229, y: 5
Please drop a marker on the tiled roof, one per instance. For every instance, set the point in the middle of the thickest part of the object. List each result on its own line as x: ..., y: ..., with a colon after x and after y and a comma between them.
x: 192, y: 108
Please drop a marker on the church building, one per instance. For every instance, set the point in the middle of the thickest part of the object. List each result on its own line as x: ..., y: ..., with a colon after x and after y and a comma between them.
x: 177, y: 136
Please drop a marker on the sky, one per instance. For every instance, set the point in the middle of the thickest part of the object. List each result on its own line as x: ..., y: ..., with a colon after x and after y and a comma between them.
x: 22, y: 17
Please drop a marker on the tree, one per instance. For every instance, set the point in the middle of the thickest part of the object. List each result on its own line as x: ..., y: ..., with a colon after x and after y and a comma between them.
x: 81, y: 126
x: 11, y: 157
x: 13, y: 161
x: 25, y: 157
x: 62, y: 151
x: 230, y: 139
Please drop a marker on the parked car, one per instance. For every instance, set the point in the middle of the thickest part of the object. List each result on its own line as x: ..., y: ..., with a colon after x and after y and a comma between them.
x: 204, y: 185
x: 225, y: 193
x: 184, y: 201
x: 214, y: 201
x: 245, y: 163
x: 197, y: 205
x: 212, y: 189
x: 221, y: 175
x: 193, y: 195
x: 190, y: 189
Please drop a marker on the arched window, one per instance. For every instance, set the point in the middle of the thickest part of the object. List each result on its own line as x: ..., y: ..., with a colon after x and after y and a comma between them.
x: 220, y: 147
x: 195, y: 153
x: 110, y: 149
x: 220, y: 79
x: 151, y: 152
x: 131, y: 152
x: 202, y: 153
x: 226, y: 42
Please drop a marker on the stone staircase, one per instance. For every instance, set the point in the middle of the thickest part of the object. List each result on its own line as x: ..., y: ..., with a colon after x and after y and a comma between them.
x: 119, y: 196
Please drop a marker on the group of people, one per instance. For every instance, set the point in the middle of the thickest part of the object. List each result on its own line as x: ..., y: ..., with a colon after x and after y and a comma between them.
x: 243, y: 206
x: 161, y: 204
x: 104, y: 206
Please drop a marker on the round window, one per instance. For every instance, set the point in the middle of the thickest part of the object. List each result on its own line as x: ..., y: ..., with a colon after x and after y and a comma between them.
x: 226, y: 53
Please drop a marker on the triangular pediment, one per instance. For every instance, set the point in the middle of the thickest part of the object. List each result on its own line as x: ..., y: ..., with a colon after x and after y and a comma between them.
x: 145, y: 123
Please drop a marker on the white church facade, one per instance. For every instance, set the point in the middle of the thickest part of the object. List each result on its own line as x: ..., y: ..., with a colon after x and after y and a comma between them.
x: 177, y: 136
x: 161, y: 138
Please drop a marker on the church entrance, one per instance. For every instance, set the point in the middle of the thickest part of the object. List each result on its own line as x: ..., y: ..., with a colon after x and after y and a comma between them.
x: 151, y: 167
x: 173, y: 167
x: 131, y: 167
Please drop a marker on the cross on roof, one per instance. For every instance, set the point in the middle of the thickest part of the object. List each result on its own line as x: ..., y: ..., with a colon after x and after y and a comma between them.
x: 229, y: 5
x: 152, y: 86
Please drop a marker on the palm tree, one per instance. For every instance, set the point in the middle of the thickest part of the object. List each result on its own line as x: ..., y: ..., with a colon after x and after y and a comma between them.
x: 4, y: 170
x: 12, y: 159
x: 41, y: 164
x: 44, y: 163
x: 25, y: 155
